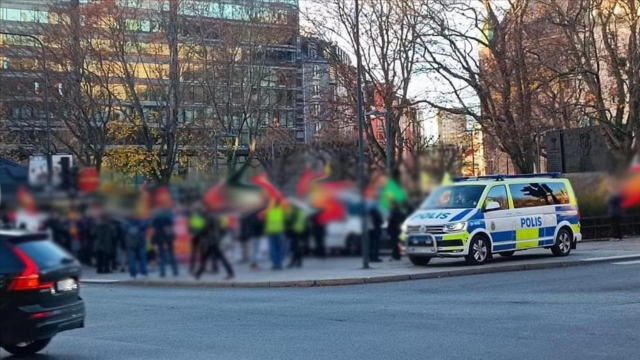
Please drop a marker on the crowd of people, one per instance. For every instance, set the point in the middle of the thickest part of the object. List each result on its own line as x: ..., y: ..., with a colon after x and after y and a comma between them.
x: 139, y: 236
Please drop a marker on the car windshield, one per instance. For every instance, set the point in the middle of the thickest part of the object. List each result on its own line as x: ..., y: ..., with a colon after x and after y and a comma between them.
x: 454, y: 197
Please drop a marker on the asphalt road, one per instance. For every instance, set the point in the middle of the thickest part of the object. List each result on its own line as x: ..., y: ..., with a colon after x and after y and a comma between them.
x: 587, y: 312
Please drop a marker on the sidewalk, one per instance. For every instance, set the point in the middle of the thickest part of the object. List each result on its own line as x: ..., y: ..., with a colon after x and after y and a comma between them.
x: 348, y: 270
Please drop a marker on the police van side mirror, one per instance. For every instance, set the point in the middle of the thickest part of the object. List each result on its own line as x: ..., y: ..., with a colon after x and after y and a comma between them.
x: 492, y: 206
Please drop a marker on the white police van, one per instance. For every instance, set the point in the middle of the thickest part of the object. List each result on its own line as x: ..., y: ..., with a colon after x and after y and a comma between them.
x: 475, y: 217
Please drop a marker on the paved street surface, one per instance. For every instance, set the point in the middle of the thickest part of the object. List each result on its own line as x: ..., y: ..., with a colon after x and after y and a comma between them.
x: 587, y: 312
x: 349, y: 268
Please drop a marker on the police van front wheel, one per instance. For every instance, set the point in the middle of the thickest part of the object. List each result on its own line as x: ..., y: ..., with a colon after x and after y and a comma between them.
x: 479, y: 251
x: 562, y: 247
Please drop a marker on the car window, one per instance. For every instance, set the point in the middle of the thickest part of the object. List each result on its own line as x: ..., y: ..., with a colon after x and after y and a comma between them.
x: 558, y: 193
x: 454, y: 197
x: 45, y: 253
x: 538, y: 194
x: 499, y: 195
x: 9, y: 262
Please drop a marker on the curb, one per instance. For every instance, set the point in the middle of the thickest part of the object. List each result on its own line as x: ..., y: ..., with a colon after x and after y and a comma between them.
x: 365, y: 280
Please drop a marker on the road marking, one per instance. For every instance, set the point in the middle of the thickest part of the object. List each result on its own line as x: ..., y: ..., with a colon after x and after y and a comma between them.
x: 627, y: 262
x: 619, y: 257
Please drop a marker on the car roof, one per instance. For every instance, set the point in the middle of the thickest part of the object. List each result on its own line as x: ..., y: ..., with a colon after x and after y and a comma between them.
x: 506, y: 181
x: 20, y: 233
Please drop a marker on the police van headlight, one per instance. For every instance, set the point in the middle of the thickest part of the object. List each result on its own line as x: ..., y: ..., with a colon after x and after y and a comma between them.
x: 403, y: 228
x: 455, y: 227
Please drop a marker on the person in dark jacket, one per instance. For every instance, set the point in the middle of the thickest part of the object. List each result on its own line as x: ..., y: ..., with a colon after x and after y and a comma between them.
x: 615, y: 208
x: 246, y: 233
x: 396, y: 218
x: 375, y: 233
x: 319, y: 232
x: 104, y: 233
x: 135, y: 230
x: 59, y: 230
x: 297, y: 229
x: 163, y: 239
x: 210, y: 239
x: 85, y: 226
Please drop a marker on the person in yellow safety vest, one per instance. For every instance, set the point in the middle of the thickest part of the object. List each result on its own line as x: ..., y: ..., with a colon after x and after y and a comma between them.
x: 297, y: 233
x: 197, y: 223
x: 274, y: 228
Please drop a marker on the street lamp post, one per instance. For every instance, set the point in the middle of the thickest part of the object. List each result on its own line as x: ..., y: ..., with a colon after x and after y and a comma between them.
x: 361, y: 175
x: 215, y: 150
x: 387, y: 135
x: 45, y: 75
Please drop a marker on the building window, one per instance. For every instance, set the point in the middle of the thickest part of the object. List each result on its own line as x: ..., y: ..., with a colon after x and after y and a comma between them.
x: 316, y: 71
x: 315, y: 110
x: 316, y: 90
x: 312, y: 51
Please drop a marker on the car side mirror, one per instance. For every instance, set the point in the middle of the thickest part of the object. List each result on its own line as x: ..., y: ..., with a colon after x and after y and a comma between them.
x: 492, y: 206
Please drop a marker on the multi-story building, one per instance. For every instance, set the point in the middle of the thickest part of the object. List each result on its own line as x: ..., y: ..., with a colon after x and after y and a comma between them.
x: 452, y: 128
x: 456, y: 130
x: 236, y: 64
x: 324, y: 92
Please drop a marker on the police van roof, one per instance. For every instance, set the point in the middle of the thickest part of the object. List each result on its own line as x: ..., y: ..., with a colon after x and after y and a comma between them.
x: 501, y: 177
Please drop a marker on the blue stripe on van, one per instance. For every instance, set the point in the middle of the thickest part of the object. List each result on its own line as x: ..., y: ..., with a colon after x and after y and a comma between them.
x: 565, y: 208
x: 478, y: 215
x: 502, y: 236
x: 461, y: 215
x: 572, y: 219
x: 476, y: 224
x: 545, y: 242
x: 504, y: 247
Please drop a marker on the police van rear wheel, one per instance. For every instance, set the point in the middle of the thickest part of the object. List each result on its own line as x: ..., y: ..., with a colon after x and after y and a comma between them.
x: 420, y: 260
x: 562, y: 247
x: 479, y: 251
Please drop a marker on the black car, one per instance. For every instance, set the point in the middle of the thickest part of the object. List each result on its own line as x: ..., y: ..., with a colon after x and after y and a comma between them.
x: 39, y: 291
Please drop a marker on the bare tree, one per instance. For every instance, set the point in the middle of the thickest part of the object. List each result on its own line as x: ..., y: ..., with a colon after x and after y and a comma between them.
x: 602, y: 39
x: 389, y: 34
x: 140, y: 42
x: 491, y: 63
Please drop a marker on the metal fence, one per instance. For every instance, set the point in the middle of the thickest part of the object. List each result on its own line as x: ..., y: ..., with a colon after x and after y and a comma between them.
x: 599, y: 227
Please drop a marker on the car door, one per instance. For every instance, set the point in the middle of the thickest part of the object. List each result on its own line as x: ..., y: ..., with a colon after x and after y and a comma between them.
x: 500, y: 223
x: 529, y: 202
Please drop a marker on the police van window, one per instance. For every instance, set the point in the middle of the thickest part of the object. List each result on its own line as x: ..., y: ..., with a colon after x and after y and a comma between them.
x: 499, y: 195
x: 454, y: 197
x: 538, y: 194
x: 557, y: 192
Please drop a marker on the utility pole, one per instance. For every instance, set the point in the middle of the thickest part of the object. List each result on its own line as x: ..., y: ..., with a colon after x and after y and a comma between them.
x: 390, y: 152
x: 361, y: 174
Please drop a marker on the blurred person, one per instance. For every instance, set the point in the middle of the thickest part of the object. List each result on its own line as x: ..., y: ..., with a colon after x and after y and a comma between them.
x: 163, y: 239
x: 375, y: 233
x: 135, y: 229
x: 197, y: 222
x: 297, y: 225
x: 615, y: 209
x: 103, y: 233
x: 59, y: 230
x: 211, y: 238
x: 85, y: 226
x: 245, y: 236
x: 275, y: 219
x: 117, y: 260
x: 319, y: 232
x: 396, y: 218
x: 257, y: 228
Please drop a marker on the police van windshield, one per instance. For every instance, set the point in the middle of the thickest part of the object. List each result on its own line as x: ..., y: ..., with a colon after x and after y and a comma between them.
x: 454, y: 197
